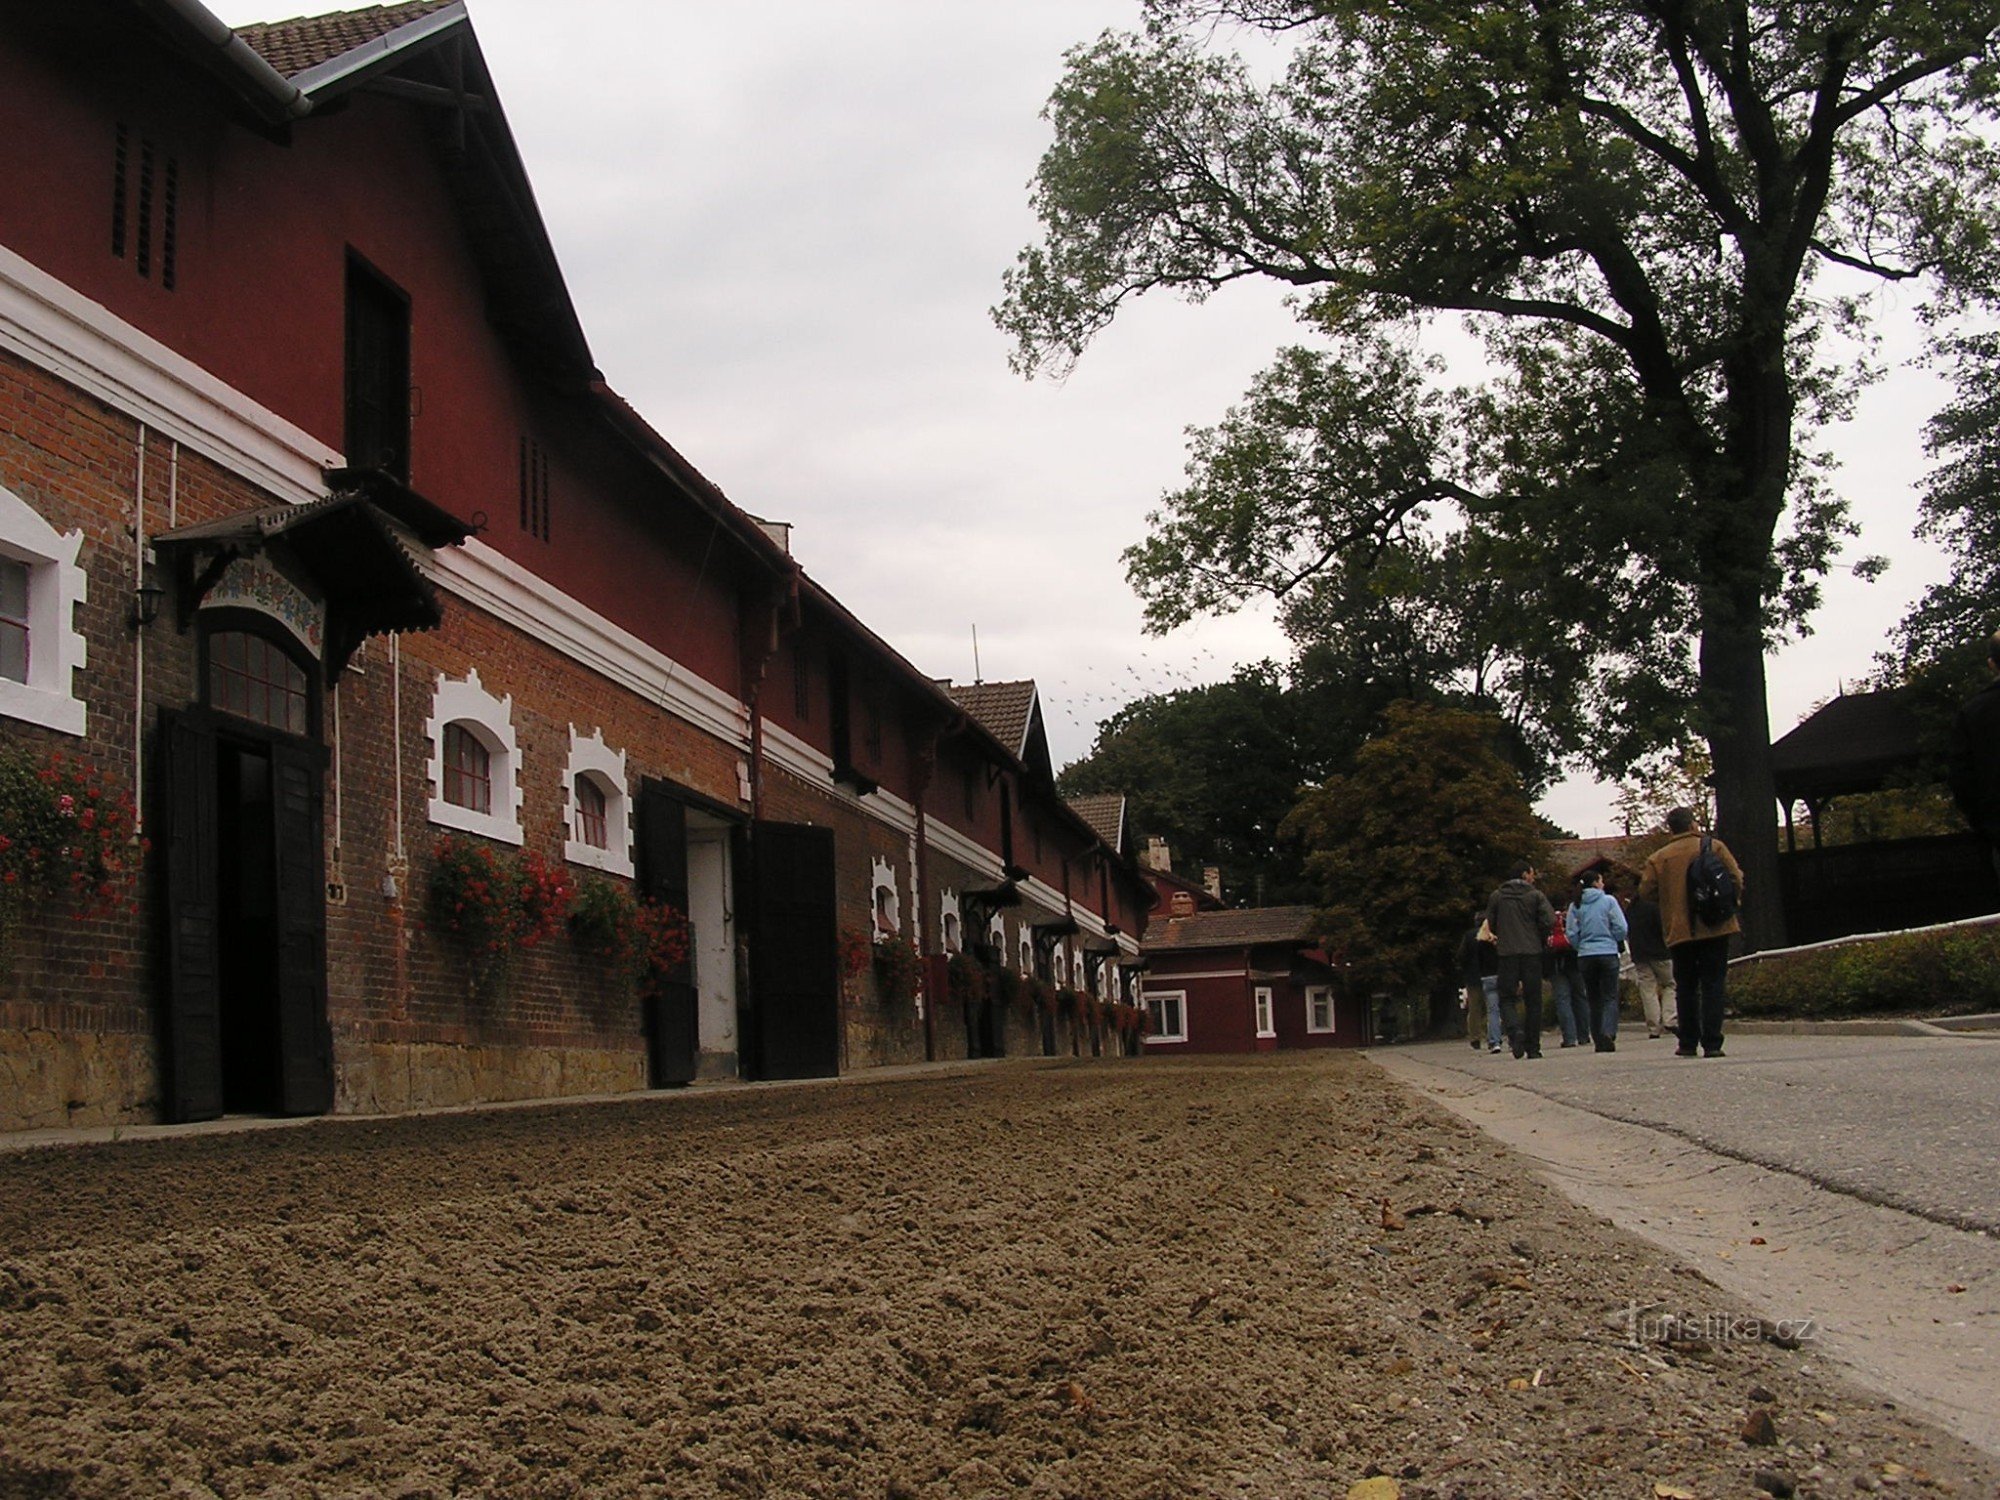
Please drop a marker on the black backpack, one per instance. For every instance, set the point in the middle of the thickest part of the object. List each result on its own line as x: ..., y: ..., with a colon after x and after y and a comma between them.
x: 1712, y: 893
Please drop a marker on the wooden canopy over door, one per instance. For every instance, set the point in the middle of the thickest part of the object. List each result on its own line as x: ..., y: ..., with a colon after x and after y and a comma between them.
x: 794, y: 953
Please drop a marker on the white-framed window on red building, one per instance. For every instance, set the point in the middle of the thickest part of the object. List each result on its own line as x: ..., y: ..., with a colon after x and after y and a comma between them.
x: 13, y: 619
x: 599, y: 808
x: 475, y: 767
x: 1266, y: 1022
x: 1167, y: 1010
x: 468, y: 770
x: 591, y: 827
x: 42, y: 652
x: 1319, y: 1010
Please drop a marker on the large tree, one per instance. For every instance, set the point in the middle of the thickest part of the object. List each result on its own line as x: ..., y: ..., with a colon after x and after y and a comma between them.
x: 1659, y: 215
x: 1407, y: 845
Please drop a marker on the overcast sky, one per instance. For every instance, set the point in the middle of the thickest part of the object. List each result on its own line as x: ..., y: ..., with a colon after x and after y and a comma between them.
x: 783, y: 226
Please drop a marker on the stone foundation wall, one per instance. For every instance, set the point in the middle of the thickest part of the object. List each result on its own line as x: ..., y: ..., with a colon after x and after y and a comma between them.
x: 59, y: 1080
x: 388, y: 1078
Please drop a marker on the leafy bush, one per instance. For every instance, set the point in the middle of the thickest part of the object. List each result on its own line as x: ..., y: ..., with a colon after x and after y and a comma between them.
x: 967, y: 978
x: 897, y: 966
x: 1952, y: 971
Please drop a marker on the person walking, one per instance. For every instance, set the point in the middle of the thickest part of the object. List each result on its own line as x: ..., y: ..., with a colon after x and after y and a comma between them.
x: 1479, y: 975
x: 1652, y: 969
x: 1973, y: 769
x: 1699, y: 950
x: 1521, y: 919
x: 1559, y: 969
x: 1597, y: 931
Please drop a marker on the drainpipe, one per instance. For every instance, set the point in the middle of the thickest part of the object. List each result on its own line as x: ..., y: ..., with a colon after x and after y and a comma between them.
x: 279, y: 97
x: 138, y: 646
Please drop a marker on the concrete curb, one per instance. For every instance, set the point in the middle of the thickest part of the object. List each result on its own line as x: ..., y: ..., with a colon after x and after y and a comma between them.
x: 1982, y: 1028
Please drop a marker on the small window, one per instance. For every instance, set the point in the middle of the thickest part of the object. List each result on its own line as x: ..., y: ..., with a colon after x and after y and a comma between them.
x: 599, y: 810
x: 378, y: 374
x: 475, y: 762
x: 1266, y: 1026
x: 253, y: 678
x: 1167, y: 1011
x: 468, y: 770
x: 1319, y: 1010
x: 592, y: 827
x: 951, y: 943
x: 13, y: 619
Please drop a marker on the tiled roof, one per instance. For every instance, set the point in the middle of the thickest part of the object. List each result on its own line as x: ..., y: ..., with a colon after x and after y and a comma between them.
x: 1001, y: 708
x: 1104, y: 812
x: 305, y: 42
x: 1232, y: 929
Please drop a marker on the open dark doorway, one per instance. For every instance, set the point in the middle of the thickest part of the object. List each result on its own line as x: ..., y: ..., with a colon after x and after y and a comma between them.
x: 246, y: 927
x: 241, y: 811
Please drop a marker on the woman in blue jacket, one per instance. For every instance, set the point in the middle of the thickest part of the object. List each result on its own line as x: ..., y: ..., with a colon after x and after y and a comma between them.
x: 1596, y: 928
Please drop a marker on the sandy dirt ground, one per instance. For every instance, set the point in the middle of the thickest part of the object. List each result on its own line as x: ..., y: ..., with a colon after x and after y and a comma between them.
x: 1262, y: 1277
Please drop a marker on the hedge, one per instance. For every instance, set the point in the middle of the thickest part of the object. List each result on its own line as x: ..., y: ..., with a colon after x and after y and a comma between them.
x: 1949, y: 971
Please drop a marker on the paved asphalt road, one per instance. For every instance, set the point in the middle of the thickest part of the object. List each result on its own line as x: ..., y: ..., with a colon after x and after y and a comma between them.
x: 1912, y: 1122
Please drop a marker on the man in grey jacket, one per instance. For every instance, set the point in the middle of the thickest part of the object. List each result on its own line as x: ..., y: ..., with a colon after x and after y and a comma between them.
x: 1522, y: 920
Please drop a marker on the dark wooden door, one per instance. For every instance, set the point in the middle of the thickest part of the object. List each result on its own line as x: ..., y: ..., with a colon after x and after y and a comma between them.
x: 305, y: 1042
x: 794, y: 957
x: 670, y: 1013
x: 191, y: 1018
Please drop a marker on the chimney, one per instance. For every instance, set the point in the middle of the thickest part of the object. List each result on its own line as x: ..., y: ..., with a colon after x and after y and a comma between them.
x: 1157, y: 855
x: 1211, y: 880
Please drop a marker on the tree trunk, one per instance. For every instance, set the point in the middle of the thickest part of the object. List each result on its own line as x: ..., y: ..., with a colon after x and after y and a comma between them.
x: 1746, y: 801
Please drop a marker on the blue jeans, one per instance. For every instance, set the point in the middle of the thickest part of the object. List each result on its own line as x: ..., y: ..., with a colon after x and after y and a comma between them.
x: 1489, y: 985
x: 1570, y: 1013
x: 1598, y: 976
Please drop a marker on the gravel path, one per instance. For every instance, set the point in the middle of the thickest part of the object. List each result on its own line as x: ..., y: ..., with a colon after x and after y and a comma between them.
x: 1255, y: 1277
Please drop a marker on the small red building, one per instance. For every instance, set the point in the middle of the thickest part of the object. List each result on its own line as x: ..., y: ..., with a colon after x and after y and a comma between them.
x: 1250, y: 980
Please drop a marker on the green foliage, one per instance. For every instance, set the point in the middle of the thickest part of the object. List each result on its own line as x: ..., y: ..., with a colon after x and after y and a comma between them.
x: 1943, y: 637
x: 968, y: 980
x: 1952, y: 971
x: 1212, y: 770
x: 1637, y: 209
x: 1408, y: 845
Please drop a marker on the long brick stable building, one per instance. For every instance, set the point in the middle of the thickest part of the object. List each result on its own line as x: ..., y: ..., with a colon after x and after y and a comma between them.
x: 324, y: 541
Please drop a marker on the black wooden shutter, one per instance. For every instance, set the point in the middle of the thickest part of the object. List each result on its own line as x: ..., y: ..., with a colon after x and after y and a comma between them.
x: 794, y: 960
x: 305, y: 1044
x: 192, y: 1015
x: 672, y: 1021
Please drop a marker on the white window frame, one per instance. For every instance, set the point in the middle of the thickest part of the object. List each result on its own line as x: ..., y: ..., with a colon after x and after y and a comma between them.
x: 490, y: 720
x: 57, y: 585
x: 590, y: 757
x: 885, y: 918
x: 1314, y: 992
x: 951, y: 922
x: 996, y: 938
x: 1159, y: 1033
x: 1265, y: 1011
x: 1059, y: 965
x: 1026, y: 950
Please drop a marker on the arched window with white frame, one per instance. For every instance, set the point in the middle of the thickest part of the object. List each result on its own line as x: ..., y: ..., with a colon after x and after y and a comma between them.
x: 888, y: 916
x: 41, y: 584
x: 951, y: 931
x: 599, y: 807
x: 475, y: 768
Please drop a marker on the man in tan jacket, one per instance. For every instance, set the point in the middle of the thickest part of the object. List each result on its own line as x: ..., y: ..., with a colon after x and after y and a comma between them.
x: 1700, y: 952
